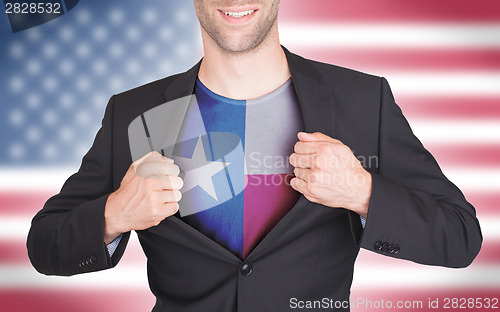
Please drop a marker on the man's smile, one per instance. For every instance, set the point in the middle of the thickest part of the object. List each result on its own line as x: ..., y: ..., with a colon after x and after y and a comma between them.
x: 237, y: 15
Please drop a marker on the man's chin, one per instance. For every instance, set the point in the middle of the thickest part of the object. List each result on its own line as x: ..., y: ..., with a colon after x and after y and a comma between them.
x: 239, y: 50
x: 239, y: 45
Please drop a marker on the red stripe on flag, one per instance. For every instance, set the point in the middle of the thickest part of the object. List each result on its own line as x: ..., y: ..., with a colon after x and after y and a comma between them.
x: 383, y: 60
x: 450, y: 107
x: 485, y: 204
x: 391, y: 11
x: 490, y: 253
x: 466, y: 155
x: 77, y: 300
x: 367, y: 299
x: 362, y: 299
x: 25, y: 203
x: 13, y: 252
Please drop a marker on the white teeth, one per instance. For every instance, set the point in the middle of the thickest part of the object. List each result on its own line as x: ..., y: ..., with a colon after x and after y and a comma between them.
x: 239, y: 14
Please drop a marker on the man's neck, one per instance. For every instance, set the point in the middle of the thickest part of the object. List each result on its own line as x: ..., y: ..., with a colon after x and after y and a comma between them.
x: 244, y: 76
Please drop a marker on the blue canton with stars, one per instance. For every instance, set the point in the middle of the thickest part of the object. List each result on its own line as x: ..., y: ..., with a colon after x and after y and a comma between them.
x: 56, y: 78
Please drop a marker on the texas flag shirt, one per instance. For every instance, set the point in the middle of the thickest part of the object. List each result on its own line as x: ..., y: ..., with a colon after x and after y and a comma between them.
x: 233, y: 156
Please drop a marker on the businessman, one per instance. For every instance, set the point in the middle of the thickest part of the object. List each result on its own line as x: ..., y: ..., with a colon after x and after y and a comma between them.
x: 294, y: 229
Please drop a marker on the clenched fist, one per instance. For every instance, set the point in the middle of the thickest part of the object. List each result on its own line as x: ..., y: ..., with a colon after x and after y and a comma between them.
x: 327, y: 172
x: 148, y: 193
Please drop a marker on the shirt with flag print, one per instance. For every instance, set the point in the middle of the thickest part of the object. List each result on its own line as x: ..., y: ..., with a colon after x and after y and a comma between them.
x: 233, y: 156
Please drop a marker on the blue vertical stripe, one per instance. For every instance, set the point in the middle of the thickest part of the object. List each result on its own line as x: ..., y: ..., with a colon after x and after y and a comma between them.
x: 224, y: 222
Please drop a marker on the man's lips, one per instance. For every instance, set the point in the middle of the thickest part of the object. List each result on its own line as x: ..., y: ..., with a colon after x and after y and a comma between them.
x: 237, y: 15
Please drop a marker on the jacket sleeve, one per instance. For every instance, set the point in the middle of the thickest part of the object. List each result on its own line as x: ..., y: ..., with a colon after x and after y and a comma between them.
x: 415, y: 212
x: 67, y: 235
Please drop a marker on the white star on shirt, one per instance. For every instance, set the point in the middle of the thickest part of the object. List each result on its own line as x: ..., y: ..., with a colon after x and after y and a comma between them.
x: 199, y: 170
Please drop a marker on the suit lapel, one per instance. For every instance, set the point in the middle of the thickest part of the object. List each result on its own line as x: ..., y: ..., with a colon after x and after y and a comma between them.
x: 315, y: 98
x: 318, y: 111
x: 183, y: 84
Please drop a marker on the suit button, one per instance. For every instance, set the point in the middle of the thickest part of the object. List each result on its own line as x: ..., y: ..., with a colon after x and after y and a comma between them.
x: 83, y: 263
x: 390, y: 249
x: 396, y: 249
x: 246, y: 269
x: 384, y: 246
x: 93, y: 260
x: 378, y: 245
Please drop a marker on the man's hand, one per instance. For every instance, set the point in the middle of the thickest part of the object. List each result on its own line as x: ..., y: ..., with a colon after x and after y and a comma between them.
x: 148, y: 193
x: 327, y: 172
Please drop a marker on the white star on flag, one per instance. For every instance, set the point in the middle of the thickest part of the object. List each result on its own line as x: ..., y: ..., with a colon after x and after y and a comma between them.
x: 199, y: 170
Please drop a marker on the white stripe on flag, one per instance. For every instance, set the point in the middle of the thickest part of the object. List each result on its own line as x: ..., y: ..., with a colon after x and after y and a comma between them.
x: 34, y: 179
x: 444, y: 83
x: 457, y: 131
x: 125, y: 277
x: 429, y: 132
x: 473, y: 277
x: 475, y: 180
x: 135, y: 277
x: 355, y: 35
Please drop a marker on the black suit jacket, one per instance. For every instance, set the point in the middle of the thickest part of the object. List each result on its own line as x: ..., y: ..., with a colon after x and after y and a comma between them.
x: 415, y: 213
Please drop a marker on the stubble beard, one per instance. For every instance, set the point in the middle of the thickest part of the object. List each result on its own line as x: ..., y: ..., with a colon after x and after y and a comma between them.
x: 247, y: 44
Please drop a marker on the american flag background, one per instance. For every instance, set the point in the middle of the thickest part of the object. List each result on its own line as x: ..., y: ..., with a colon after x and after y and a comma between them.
x: 441, y: 57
